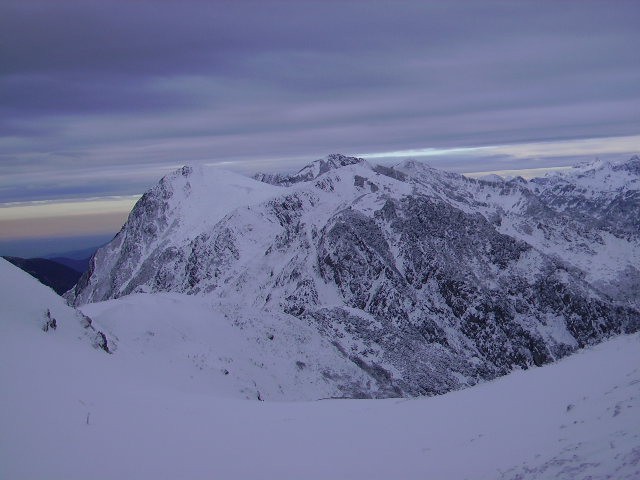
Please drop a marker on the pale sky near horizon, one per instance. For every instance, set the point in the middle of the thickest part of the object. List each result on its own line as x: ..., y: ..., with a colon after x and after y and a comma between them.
x: 99, y: 99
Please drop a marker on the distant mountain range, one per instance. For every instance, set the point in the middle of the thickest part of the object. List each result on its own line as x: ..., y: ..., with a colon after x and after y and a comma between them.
x: 60, y: 272
x: 52, y: 273
x: 79, y: 265
x: 421, y: 280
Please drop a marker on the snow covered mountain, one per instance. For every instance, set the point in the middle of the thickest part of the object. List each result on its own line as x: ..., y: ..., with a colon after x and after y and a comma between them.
x: 156, y: 407
x: 424, y: 281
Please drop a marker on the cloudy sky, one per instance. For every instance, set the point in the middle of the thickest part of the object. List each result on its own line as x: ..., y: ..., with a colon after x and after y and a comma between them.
x: 98, y: 99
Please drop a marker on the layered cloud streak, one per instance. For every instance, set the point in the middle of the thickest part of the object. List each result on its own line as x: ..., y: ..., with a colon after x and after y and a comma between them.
x: 101, y: 98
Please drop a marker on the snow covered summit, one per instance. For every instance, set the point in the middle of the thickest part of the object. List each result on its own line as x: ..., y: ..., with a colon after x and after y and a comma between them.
x: 425, y: 281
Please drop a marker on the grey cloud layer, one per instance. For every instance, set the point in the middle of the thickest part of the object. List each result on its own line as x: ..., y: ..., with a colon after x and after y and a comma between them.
x: 91, y: 86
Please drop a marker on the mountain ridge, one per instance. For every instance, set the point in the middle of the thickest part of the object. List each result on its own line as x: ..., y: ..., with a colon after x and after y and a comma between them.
x: 428, y: 281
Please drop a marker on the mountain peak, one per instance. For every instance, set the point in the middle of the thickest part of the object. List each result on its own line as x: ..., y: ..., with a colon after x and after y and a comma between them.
x: 632, y: 165
x: 311, y: 171
x: 330, y: 162
x: 340, y: 160
x: 583, y: 167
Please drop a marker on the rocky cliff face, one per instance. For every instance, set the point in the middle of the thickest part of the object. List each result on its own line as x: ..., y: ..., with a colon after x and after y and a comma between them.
x: 426, y: 280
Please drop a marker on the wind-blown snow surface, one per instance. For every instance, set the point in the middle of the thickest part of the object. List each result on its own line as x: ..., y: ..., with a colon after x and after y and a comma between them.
x: 206, y: 346
x: 72, y: 411
x: 424, y: 280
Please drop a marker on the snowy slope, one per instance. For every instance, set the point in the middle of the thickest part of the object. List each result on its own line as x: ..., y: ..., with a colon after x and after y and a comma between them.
x: 603, y: 199
x: 586, y: 216
x: 27, y: 306
x: 72, y: 411
x: 193, y: 344
x: 180, y: 342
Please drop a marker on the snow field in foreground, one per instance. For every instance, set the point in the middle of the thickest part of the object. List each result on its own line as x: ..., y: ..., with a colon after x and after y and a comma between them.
x: 72, y: 411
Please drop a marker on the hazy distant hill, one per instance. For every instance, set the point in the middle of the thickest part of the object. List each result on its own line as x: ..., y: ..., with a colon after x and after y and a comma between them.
x: 80, y: 265
x: 76, y: 259
x: 51, y: 273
